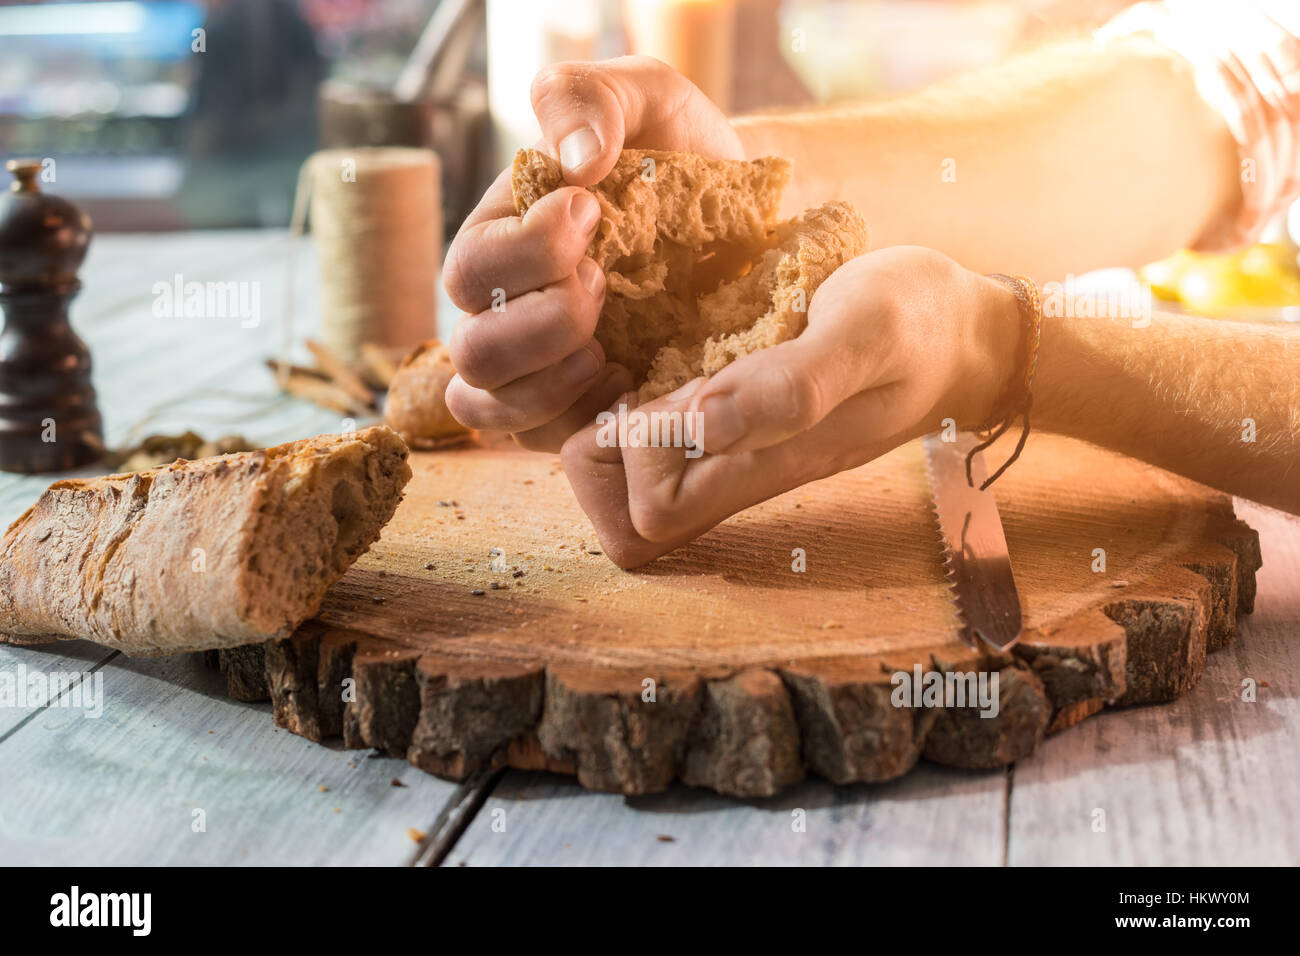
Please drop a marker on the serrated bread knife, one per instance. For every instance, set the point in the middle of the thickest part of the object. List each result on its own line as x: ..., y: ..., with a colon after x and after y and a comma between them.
x: 974, y: 547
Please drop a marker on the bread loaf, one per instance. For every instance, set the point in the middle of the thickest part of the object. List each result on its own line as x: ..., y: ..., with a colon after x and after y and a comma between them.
x: 699, y: 271
x: 199, y: 554
x: 416, y: 407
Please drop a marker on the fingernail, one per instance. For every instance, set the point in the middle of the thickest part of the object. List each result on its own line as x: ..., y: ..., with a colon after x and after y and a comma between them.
x: 578, y: 149
x: 584, y: 210
x: 580, y: 366
x: 721, y: 421
x: 592, y: 279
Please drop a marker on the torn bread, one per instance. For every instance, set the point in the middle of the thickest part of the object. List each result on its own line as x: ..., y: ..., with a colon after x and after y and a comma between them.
x: 416, y: 407
x: 767, y: 305
x: 199, y: 554
x: 699, y: 270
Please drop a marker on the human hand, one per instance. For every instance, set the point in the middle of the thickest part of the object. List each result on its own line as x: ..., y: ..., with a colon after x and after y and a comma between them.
x: 533, y: 367
x: 897, y: 341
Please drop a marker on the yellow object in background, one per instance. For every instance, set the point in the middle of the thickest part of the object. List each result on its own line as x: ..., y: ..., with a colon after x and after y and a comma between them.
x: 1265, y: 275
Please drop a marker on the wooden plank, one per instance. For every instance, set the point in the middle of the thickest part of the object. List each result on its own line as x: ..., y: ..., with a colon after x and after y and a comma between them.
x: 189, y: 368
x: 456, y: 816
x: 66, y: 662
x: 123, y: 788
x: 934, y: 816
x: 1205, y: 780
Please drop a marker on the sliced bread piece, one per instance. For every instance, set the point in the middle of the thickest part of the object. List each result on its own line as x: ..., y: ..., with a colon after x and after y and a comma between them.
x: 199, y: 554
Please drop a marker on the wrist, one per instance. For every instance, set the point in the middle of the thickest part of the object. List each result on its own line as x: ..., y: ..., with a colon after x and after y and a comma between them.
x: 993, y: 351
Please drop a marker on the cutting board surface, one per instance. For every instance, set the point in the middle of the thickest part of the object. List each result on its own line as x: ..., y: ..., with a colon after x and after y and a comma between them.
x: 874, y: 579
x: 487, y: 628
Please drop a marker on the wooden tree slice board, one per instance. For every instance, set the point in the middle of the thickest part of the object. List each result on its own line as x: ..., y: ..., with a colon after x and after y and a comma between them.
x: 722, y: 666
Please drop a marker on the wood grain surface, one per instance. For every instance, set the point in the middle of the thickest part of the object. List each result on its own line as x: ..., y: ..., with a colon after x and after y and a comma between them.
x: 487, y: 629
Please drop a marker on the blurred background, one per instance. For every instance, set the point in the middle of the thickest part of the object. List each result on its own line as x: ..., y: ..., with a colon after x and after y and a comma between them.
x: 168, y: 114
x: 186, y: 114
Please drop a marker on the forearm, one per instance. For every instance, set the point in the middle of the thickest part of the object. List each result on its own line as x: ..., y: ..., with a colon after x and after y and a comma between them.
x: 1215, y: 401
x: 1070, y: 158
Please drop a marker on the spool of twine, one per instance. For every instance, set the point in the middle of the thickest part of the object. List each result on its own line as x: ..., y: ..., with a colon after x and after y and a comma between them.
x: 376, y: 216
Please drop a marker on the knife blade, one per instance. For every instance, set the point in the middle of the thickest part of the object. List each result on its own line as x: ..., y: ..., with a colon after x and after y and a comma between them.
x: 974, y: 546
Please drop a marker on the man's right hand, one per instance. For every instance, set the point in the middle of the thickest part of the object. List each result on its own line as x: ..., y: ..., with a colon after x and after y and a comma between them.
x: 524, y: 351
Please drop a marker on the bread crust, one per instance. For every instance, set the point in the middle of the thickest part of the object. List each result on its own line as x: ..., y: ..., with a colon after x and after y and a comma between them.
x: 655, y: 195
x: 416, y: 407
x: 199, y: 554
x: 698, y: 270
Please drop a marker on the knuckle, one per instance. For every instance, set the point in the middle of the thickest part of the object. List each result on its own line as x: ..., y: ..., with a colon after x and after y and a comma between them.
x: 558, y: 78
x: 576, y: 453
x: 567, y: 315
x: 551, y: 259
x: 649, y: 66
x: 544, y: 81
x: 652, y: 511
x: 460, y: 399
x: 552, y: 246
x: 484, y: 408
x: 794, y: 398
x: 650, y: 520
x: 460, y: 275
x: 495, y: 415
x: 522, y: 409
x: 471, y: 360
x: 624, y: 553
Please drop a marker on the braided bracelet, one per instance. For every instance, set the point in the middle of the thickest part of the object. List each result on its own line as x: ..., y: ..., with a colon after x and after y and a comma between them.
x: 1015, y: 402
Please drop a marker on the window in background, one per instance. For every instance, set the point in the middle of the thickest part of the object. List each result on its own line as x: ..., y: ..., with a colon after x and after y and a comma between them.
x: 167, y: 114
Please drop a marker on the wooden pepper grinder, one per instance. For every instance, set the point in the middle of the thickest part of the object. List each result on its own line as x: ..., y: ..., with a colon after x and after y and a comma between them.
x: 48, y: 417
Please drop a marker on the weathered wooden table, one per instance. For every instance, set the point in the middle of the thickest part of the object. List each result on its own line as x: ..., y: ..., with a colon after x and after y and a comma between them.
x: 173, y: 772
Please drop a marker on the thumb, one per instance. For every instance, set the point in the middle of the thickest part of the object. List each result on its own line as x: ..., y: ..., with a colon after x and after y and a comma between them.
x: 590, y: 111
x: 769, y: 396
